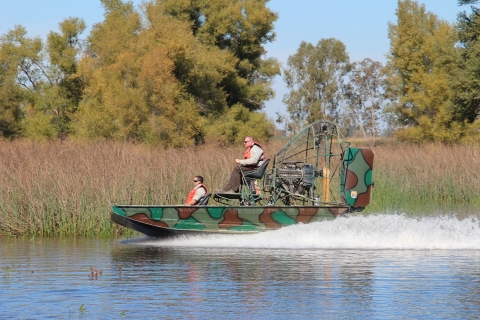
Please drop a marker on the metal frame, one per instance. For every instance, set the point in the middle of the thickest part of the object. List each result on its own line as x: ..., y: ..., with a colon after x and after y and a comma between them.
x: 306, y: 171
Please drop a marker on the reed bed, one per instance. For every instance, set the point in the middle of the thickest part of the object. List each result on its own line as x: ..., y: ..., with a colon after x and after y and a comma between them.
x: 413, y: 176
x: 67, y: 188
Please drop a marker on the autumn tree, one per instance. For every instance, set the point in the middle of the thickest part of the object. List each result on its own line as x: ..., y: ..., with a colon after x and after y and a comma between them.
x: 421, y: 61
x: 146, y: 76
x: 152, y: 83
x: 114, y: 105
x: 314, y: 77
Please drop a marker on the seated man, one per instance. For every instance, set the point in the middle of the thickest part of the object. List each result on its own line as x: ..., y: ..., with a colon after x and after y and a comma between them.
x: 198, y: 192
x: 252, y: 158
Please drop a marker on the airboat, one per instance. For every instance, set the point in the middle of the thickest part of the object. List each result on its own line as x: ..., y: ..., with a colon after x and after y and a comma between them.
x: 316, y: 176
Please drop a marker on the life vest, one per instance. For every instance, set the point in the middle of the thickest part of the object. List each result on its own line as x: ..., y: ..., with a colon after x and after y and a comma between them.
x: 246, y: 154
x: 192, y: 192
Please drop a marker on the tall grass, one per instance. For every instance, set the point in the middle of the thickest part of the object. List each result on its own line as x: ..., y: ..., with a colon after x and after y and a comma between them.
x: 68, y: 188
x: 412, y: 176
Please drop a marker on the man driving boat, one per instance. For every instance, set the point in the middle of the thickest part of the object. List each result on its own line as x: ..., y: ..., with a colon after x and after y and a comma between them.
x: 252, y: 158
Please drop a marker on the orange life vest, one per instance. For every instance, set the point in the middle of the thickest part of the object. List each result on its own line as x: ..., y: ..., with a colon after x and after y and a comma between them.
x: 192, y: 192
x: 246, y: 154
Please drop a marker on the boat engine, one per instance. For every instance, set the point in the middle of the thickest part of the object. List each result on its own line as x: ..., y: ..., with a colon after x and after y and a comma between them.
x: 296, y: 177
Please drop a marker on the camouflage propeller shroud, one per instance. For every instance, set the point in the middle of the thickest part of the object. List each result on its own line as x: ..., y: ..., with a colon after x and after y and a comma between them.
x: 316, y: 176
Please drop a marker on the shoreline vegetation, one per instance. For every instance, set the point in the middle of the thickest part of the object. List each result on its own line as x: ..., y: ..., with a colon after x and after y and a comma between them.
x: 66, y: 188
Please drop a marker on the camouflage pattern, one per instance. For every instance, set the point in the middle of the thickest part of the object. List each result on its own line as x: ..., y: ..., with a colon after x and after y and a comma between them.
x: 318, y: 166
x: 356, y: 177
x: 315, y: 176
x: 224, y: 219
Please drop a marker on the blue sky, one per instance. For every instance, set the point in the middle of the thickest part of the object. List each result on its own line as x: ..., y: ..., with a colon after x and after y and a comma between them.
x: 362, y: 25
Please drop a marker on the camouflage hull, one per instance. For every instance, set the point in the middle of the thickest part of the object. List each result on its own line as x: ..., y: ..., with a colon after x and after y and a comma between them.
x: 167, y: 221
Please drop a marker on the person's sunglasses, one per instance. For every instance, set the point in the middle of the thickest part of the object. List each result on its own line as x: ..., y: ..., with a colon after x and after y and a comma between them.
x: 245, y: 141
x: 196, y: 180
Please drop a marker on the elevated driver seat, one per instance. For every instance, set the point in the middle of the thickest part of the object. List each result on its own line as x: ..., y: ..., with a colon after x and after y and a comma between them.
x: 256, y: 174
x: 248, y: 178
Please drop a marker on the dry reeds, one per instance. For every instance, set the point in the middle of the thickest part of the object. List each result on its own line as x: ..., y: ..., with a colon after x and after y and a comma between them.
x: 68, y: 188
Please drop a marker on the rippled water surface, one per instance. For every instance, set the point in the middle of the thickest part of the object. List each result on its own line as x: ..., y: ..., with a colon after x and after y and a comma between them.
x: 377, y: 267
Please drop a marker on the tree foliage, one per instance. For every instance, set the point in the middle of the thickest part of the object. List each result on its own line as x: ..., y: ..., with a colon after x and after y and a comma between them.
x: 147, y: 76
x: 63, y: 50
x: 10, y: 98
x: 173, y: 72
x: 466, y: 85
x: 48, y: 89
x: 240, y: 27
x: 421, y: 61
x: 364, y: 95
x: 314, y: 76
x: 239, y: 122
x: 153, y: 84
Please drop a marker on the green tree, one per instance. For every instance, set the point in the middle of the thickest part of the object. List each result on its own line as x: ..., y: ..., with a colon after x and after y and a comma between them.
x: 238, y: 122
x: 315, y: 76
x: 46, y: 74
x: 10, y: 98
x: 66, y: 87
x: 421, y: 61
x: 25, y: 55
x: 365, y: 97
x: 199, y: 68
x: 240, y: 27
x: 147, y: 76
x: 467, y: 86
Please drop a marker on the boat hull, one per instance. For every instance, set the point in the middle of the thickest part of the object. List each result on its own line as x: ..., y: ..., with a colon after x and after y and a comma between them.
x: 168, y: 221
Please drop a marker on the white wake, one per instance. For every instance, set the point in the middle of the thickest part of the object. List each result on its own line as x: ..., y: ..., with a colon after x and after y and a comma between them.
x: 376, y: 231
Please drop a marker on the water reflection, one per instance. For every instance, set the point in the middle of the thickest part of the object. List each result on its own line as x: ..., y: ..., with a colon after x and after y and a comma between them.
x: 322, y: 283
x: 337, y: 270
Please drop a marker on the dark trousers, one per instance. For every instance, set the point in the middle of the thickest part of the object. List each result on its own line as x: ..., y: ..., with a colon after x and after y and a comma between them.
x: 236, y: 178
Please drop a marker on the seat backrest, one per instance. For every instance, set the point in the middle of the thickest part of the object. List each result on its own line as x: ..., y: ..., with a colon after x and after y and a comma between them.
x: 258, y: 172
x: 204, y: 200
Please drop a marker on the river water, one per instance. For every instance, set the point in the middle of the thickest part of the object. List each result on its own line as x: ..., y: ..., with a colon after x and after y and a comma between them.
x: 378, y: 267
